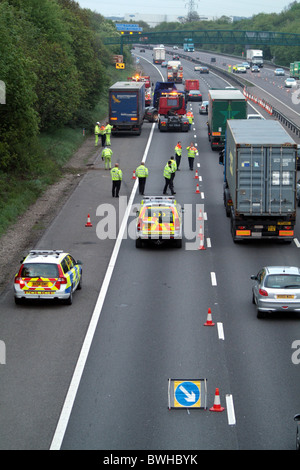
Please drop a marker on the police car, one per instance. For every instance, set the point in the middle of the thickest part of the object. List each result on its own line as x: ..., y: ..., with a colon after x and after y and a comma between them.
x: 159, y: 220
x: 48, y: 274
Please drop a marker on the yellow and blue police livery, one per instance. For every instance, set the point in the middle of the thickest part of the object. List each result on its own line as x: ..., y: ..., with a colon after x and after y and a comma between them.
x: 158, y: 221
x: 48, y: 274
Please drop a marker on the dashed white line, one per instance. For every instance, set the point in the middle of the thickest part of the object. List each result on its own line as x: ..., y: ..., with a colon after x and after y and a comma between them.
x: 220, y: 330
x: 297, y: 243
x: 230, y: 410
x: 213, y: 278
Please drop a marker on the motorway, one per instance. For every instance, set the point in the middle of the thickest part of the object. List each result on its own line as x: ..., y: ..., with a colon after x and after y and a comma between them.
x: 140, y: 319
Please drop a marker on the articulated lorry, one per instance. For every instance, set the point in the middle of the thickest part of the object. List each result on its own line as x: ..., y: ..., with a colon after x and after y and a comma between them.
x: 260, y: 180
x: 223, y: 105
x: 127, y: 107
x: 159, y: 55
x: 169, y: 108
x: 188, y: 45
x: 295, y: 70
x: 174, y: 71
x: 255, y: 57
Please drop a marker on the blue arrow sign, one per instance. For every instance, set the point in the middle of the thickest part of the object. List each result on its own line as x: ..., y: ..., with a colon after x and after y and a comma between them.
x: 187, y: 393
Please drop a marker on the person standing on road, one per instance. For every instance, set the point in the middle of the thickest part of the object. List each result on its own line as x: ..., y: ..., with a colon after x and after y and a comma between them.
x: 192, y: 152
x: 174, y: 168
x: 108, y: 129
x: 102, y: 134
x: 97, y: 132
x: 142, y: 173
x: 106, y: 156
x: 178, y: 153
x: 168, y: 178
x: 116, y: 176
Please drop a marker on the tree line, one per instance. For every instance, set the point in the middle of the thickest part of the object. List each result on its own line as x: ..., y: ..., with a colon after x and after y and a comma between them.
x: 55, y: 68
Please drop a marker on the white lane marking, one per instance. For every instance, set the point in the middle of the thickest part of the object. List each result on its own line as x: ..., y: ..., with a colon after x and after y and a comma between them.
x: 220, y: 330
x: 202, y: 196
x: 213, y: 278
x: 208, y: 243
x: 230, y: 410
x: 297, y: 243
x: 73, y: 388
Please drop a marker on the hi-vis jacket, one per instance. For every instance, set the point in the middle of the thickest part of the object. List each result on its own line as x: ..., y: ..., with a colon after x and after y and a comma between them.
x: 178, y: 149
x: 141, y: 171
x: 116, y: 174
x: 168, y: 171
x: 107, y: 152
x: 192, y: 152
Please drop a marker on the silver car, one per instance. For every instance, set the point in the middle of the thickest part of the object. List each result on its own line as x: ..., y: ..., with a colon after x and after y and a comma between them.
x: 276, y: 288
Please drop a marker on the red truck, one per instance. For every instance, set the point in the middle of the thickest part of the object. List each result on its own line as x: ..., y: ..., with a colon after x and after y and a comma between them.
x: 191, y: 85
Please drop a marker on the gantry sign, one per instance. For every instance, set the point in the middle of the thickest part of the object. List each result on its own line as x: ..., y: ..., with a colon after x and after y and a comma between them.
x: 212, y: 36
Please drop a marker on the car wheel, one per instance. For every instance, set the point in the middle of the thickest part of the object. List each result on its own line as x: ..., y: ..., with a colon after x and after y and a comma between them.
x: 178, y: 243
x: 253, y: 299
x: 260, y: 314
x: 298, y: 439
x: 69, y: 300
x: 79, y: 287
x: 18, y: 301
x: 138, y: 243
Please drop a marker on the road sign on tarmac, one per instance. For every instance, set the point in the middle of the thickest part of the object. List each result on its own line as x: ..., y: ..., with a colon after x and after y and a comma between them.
x: 187, y: 393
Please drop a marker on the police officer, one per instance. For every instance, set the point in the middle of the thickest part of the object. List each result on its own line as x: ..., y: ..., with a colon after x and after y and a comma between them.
x: 97, y: 132
x: 178, y: 153
x: 108, y: 129
x: 168, y: 178
x: 106, y: 156
x: 174, y: 168
x: 142, y: 173
x: 116, y: 176
x: 192, y: 152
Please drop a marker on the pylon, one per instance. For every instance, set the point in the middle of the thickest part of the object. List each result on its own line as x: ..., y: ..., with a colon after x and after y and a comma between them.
x: 209, y: 321
x: 200, y: 217
x: 133, y: 176
x: 217, y: 403
x: 197, y: 189
x: 88, y: 224
x: 196, y: 175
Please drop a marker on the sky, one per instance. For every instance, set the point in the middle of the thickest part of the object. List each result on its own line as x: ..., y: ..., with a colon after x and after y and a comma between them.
x: 215, y: 8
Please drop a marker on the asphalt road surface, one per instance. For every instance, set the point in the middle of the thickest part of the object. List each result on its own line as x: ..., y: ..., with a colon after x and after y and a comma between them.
x: 147, y: 310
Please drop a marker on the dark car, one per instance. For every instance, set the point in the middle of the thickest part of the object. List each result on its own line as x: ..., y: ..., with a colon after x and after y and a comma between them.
x: 204, y: 69
x: 194, y: 95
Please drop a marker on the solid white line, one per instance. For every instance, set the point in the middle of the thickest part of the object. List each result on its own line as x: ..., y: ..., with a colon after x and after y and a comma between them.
x: 220, y: 330
x: 213, y: 278
x: 230, y: 410
x: 73, y: 388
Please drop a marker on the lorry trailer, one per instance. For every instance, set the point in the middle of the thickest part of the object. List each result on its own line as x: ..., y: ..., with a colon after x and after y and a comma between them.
x: 260, y: 180
x: 127, y: 107
x: 223, y: 105
x: 255, y: 57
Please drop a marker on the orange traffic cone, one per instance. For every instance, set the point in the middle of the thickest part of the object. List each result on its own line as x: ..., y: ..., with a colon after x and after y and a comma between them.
x: 88, y: 224
x: 133, y: 176
x: 209, y: 321
x: 197, y: 189
x: 217, y: 404
x: 196, y: 175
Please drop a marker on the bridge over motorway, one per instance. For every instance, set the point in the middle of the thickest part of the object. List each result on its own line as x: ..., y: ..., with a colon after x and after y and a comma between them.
x: 212, y: 36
